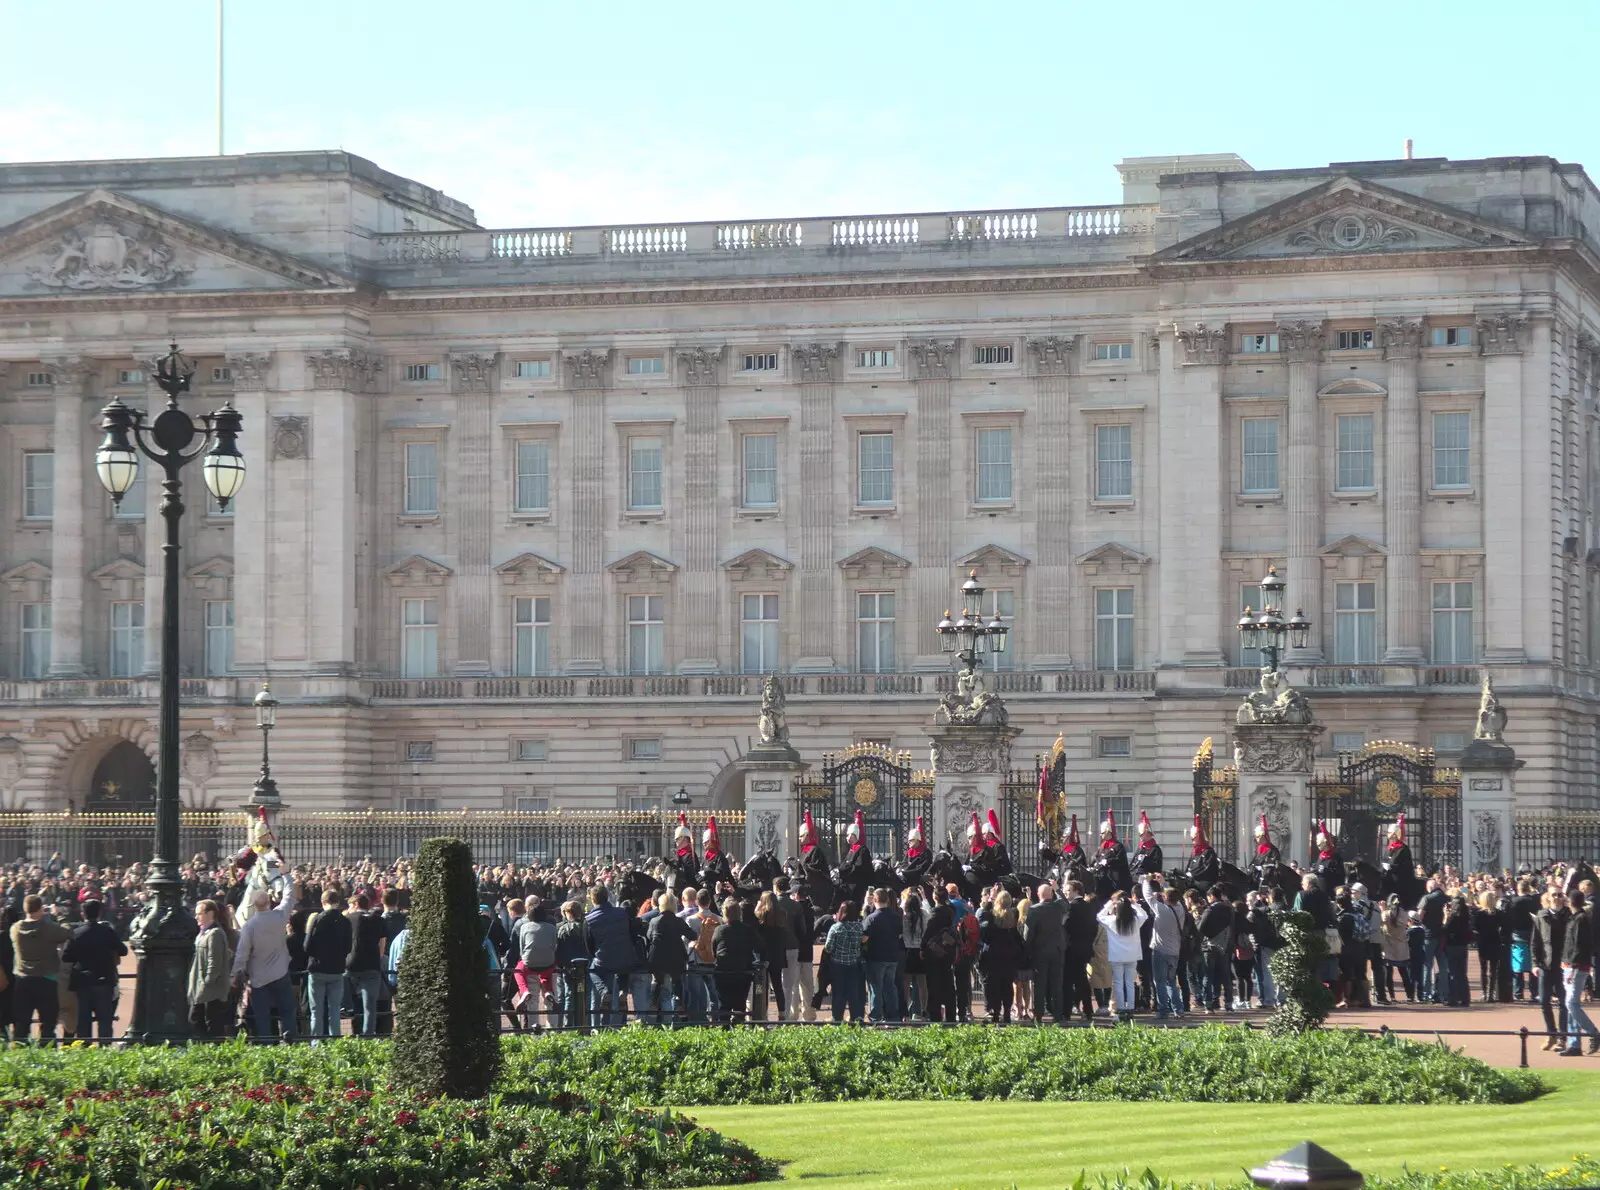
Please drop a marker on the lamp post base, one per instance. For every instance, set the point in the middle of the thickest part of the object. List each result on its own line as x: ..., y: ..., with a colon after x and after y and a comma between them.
x: 163, y: 937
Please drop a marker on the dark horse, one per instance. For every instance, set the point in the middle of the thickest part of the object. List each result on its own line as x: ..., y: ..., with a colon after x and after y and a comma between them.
x: 637, y: 885
x: 756, y: 875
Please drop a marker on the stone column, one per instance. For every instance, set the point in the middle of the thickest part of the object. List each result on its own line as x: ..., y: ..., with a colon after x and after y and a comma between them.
x: 932, y: 361
x: 1503, y: 489
x: 586, y: 594
x: 969, y: 765
x: 255, y: 532
x: 1275, y: 764
x: 73, y: 471
x: 818, y: 500
x: 472, y: 380
x: 1192, y: 490
x: 771, y: 806
x: 1402, y: 485
x: 1301, y: 343
x: 1049, y: 603
x: 335, y: 379
x: 699, y: 370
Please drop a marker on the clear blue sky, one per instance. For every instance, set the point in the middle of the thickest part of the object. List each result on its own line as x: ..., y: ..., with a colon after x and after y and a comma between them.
x: 545, y: 113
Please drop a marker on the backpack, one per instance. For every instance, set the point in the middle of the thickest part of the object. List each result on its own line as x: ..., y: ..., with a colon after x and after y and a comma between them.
x: 940, y: 946
x: 967, y: 932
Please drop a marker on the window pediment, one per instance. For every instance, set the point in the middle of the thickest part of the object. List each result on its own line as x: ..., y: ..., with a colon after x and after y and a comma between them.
x: 642, y: 566
x: 993, y: 559
x: 1113, y: 558
x: 123, y: 569
x: 417, y: 571
x: 212, y: 574
x: 528, y: 568
x: 1352, y: 386
x: 1353, y: 545
x: 18, y: 577
x: 758, y: 564
x: 874, y: 562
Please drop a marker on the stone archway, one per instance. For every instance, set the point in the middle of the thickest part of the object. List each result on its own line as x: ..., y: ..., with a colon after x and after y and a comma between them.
x: 726, y: 791
x: 123, y: 780
x: 80, y: 747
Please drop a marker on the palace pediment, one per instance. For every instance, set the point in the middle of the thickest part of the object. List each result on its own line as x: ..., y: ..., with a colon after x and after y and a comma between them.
x: 758, y: 564
x: 642, y: 566
x: 528, y: 568
x: 993, y: 559
x: 1345, y: 216
x: 102, y: 243
x: 417, y: 571
x: 874, y: 562
x: 1353, y: 545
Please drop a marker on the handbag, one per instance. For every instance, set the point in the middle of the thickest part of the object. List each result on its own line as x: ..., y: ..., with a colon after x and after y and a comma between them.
x: 1335, y: 941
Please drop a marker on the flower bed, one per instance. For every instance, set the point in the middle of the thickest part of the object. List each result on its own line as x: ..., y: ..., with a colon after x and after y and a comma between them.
x: 283, y: 1137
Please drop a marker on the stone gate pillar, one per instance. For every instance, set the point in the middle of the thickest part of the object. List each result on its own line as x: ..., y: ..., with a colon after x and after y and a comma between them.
x: 771, y: 771
x: 1488, y: 790
x: 969, y: 763
x: 1275, y: 779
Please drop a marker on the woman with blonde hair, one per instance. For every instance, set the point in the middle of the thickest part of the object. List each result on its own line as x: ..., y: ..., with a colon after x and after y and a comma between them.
x: 1024, y: 978
x: 1000, y: 954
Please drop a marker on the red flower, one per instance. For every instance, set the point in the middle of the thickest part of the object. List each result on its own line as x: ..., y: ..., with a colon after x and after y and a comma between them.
x: 405, y: 1118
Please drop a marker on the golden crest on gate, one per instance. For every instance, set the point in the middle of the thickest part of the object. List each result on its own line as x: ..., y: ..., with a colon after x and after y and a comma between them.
x: 866, y: 791
x: 1388, y: 791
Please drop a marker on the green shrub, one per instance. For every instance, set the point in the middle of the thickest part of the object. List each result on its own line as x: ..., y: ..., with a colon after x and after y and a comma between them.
x: 445, y: 1039
x: 297, y: 1138
x: 1295, y: 964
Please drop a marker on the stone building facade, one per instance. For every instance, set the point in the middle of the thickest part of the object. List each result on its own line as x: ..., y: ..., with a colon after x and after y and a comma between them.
x: 528, y: 510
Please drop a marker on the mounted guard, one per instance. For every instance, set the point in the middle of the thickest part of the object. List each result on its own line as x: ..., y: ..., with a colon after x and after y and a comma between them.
x: 1264, y: 867
x: 1203, y: 868
x: 991, y: 863
x: 1146, y: 859
x: 1111, y: 871
x: 1399, y: 869
x: 814, y: 867
x: 914, y: 872
x: 683, y: 868
x: 1329, y: 864
x: 264, y: 868
x: 855, y: 869
x: 715, y: 871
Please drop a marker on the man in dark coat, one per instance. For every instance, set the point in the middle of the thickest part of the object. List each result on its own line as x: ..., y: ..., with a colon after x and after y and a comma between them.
x: 1111, y: 873
x: 1081, y: 927
x: 1071, y: 859
x: 815, y: 872
x: 914, y: 872
x: 715, y: 871
x: 1146, y: 859
x: 1203, y: 868
x: 855, y: 868
x: 684, y: 865
x: 1399, y: 869
x: 1265, y: 864
x: 991, y: 863
x: 1329, y: 864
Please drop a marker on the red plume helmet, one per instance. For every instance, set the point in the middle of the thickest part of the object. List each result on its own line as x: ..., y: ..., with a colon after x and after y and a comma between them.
x: 992, y: 827
x: 809, y: 830
x: 1198, y: 834
x: 1264, y: 835
x: 915, y: 832
x: 1108, y: 830
x: 1072, y: 833
x: 857, y: 831
x: 713, y: 840
x: 1397, y: 834
x: 974, y: 834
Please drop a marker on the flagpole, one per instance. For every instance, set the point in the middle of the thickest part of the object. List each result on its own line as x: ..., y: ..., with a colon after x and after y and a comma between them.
x: 220, y: 125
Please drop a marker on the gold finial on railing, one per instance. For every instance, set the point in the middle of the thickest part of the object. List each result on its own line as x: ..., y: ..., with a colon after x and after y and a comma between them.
x: 1202, y: 756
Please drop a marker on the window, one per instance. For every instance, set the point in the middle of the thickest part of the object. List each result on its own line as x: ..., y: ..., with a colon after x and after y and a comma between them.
x: 1452, y: 450
x: 219, y: 637
x: 1002, y: 604
x: 1113, y: 446
x: 1122, y: 807
x: 875, y: 632
x: 416, y: 372
x: 875, y: 469
x: 762, y: 361
x: 875, y: 359
x: 1352, y: 340
x: 132, y: 506
x: 994, y: 466
x: 533, y: 477
x: 127, y: 639
x: 647, y: 633
x: 1355, y: 453
x: 419, y: 751
x: 532, y: 805
x: 644, y: 749
x: 1258, y: 344
x: 422, y: 478
x: 1113, y: 351
x: 533, y: 751
x: 1260, y: 454
x: 1114, y: 746
x: 1113, y: 628
x: 1449, y: 743
x: 647, y: 803
x: 530, y: 632
x: 38, y: 485
x: 1452, y: 336
x: 992, y: 353
x: 644, y: 473
x: 1452, y: 624
x: 420, y: 805
x: 533, y: 369
x: 41, y: 379
x: 646, y: 365
x: 1355, y: 623
x: 758, y: 635
x: 221, y: 375
x: 419, y: 638
x: 1348, y: 741
x: 35, y: 640
x: 760, y: 480
x: 1249, y: 600
x: 130, y: 376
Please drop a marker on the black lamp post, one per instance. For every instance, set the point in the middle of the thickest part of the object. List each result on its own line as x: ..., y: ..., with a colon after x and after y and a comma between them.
x: 164, y: 933
x: 1268, y: 630
x: 969, y: 638
x: 265, y: 792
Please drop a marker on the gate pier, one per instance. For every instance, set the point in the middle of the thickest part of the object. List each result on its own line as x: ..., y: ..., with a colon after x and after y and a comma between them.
x: 1275, y: 763
x: 970, y: 762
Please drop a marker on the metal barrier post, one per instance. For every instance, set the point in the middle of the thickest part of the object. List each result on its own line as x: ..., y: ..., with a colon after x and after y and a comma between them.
x: 578, y: 978
x: 1523, y: 1035
x: 758, y: 994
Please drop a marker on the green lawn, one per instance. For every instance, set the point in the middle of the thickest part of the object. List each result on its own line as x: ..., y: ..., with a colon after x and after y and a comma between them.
x: 1042, y: 1146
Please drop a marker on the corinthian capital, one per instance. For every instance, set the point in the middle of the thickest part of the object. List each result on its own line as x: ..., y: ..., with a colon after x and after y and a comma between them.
x: 1401, y: 337
x: 699, y: 366
x: 1300, y: 342
x: 814, y: 361
x: 1501, y: 334
x: 75, y: 375
x: 587, y: 369
x: 471, y: 372
x: 1202, y: 344
x: 932, y: 358
x: 249, y: 370
x: 1052, y: 354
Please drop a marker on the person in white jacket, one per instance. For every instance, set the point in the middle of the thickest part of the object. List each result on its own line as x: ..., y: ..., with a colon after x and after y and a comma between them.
x: 1123, y: 917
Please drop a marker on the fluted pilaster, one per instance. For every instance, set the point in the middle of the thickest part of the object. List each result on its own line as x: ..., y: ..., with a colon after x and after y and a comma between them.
x: 1402, y: 481
x: 815, y: 363
x: 1303, y: 481
x: 932, y: 361
x: 586, y: 378
x: 472, y: 378
x: 700, y: 370
x: 73, y: 414
x: 1048, y: 609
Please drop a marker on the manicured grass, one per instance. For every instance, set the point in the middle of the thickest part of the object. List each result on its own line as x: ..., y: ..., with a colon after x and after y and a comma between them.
x: 1042, y: 1146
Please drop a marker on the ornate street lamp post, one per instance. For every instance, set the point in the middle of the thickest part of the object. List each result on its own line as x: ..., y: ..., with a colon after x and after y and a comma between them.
x: 164, y: 933
x: 1268, y: 630
x: 969, y: 638
x: 265, y: 792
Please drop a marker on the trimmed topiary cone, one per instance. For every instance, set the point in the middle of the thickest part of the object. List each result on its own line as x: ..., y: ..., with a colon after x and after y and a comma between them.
x: 445, y: 1040
x: 1306, y: 1001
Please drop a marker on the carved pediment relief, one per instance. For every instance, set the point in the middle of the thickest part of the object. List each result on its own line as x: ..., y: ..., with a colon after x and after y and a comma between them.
x: 1353, y: 545
x: 417, y: 571
x: 1344, y: 216
x: 1113, y: 557
x: 18, y: 577
x: 874, y: 562
x: 124, y: 569
x: 1352, y: 386
x: 528, y: 568
x: 211, y: 571
x: 642, y: 566
x: 989, y: 560
x: 101, y: 242
x: 758, y: 564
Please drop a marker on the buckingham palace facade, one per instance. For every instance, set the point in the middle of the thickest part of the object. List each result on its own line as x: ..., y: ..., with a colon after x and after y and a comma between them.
x: 528, y: 511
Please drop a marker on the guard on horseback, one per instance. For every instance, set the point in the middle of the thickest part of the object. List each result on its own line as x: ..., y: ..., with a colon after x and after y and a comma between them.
x: 1071, y: 862
x: 715, y: 871
x: 991, y: 863
x: 1399, y: 869
x: 855, y: 869
x: 1264, y: 867
x: 814, y: 867
x: 1146, y: 859
x: 683, y: 868
x: 1329, y: 865
x: 1111, y: 872
x: 1203, y: 868
x: 914, y: 872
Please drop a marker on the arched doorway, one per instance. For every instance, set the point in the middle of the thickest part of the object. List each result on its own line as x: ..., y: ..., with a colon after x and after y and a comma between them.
x: 123, y: 781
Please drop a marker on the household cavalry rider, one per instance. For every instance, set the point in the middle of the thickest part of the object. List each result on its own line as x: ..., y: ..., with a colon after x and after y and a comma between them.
x: 1329, y: 865
x: 814, y: 866
x: 914, y: 872
x: 684, y: 866
x: 989, y: 859
x: 1399, y: 869
x: 1146, y: 859
x: 855, y: 869
x: 1204, y: 868
x: 1267, y: 859
x: 1072, y: 857
x: 715, y: 871
x: 1111, y: 871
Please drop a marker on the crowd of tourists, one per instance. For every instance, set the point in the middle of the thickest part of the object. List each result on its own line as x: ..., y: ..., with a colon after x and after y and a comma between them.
x: 699, y: 938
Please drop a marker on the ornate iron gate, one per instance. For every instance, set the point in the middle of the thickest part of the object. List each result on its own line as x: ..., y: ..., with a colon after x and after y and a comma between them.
x: 1375, y: 785
x: 1216, y: 801
x: 879, y: 782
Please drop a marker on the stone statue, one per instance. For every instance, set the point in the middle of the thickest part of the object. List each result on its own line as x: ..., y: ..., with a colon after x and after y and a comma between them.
x: 1491, y: 715
x: 773, y: 727
x: 969, y: 704
x: 1275, y: 702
